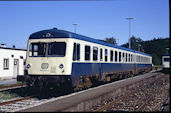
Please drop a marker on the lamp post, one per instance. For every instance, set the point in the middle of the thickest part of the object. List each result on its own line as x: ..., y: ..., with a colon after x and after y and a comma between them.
x: 75, y: 26
x: 129, y: 40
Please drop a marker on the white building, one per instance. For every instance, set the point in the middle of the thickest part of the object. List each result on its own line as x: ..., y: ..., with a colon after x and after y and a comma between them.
x: 12, y: 62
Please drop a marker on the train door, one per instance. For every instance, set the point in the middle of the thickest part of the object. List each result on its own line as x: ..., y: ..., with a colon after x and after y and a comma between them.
x: 16, y: 68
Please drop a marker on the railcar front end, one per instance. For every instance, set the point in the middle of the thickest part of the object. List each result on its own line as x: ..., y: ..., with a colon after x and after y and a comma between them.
x: 48, y: 62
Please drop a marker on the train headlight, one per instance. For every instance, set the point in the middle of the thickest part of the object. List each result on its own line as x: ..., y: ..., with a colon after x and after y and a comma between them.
x: 28, y: 66
x: 61, y: 66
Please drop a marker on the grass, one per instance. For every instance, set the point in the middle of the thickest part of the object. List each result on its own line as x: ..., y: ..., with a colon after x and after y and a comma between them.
x: 5, y: 95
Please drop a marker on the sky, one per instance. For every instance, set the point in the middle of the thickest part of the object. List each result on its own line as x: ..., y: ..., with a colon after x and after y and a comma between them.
x: 95, y: 19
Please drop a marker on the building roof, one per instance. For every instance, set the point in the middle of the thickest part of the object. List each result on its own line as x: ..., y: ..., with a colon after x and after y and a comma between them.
x: 55, y: 33
x: 13, y: 48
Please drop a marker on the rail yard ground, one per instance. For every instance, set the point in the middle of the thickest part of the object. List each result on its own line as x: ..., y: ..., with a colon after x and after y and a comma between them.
x: 147, y: 92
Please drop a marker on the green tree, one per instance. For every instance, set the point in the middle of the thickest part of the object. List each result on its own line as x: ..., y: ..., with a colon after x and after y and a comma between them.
x: 156, y: 47
x: 136, y: 43
x: 111, y: 40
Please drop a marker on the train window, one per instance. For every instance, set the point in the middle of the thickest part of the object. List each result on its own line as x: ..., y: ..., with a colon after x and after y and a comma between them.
x: 116, y: 55
x: 123, y: 57
x: 37, y: 49
x: 126, y: 57
x: 52, y: 48
x: 87, y: 52
x: 106, y: 55
x: 95, y: 53
x: 119, y: 56
x: 111, y: 55
x: 76, y: 52
x: 56, y: 49
x: 131, y: 57
x: 101, y: 54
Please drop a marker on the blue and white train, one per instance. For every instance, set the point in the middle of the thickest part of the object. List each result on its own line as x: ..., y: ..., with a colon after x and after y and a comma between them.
x: 59, y: 57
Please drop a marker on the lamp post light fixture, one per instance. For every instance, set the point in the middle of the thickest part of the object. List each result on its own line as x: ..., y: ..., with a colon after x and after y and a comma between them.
x: 75, y: 26
x: 129, y: 40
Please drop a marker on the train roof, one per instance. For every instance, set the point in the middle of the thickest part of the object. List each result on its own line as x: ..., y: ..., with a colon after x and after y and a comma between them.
x: 55, y: 33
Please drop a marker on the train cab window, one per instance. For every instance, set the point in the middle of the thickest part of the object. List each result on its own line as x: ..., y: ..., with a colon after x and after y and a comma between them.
x: 119, y: 56
x: 105, y: 55
x: 101, y: 54
x: 111, y: 55
x: 95, y: 53
x: 37, y: 49
x: 56, y: 49
x: 42, y: 49
x: 116, y: 56
x: 76, y: 52
x: 87, y: 52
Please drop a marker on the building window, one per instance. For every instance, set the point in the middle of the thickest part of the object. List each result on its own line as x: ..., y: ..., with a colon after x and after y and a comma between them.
x: 95, y: 53
x: 87, y: 52
x: 119, y: 56
x: 116, y: 55
x: 76, y: 52
x: 6, y: 64
x: 106, y: 55
x: 21, y: 57
x: 111, y: 55
x: 101, y: 54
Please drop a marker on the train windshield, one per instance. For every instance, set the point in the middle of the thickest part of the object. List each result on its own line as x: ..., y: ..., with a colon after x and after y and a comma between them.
x: 41, y: 49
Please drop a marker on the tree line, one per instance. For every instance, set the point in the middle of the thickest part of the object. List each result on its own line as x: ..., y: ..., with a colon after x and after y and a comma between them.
x: 155, y: 47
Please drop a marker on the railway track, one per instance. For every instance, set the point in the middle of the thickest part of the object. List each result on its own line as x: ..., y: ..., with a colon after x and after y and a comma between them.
x: 133, y: 100
x: 12, y: 105
x: 13, y: 86
x: 128, y: 102
x: 26, y: 100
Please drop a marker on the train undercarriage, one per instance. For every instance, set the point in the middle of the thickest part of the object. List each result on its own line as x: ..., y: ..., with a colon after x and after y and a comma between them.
x: 79, y: 83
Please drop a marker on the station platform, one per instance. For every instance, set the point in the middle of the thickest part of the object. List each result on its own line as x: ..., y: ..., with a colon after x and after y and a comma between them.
x: 8, y: 82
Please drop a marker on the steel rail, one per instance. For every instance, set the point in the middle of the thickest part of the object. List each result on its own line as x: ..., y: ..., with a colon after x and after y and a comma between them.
x: 2, y: 88
x: 15, y: 101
